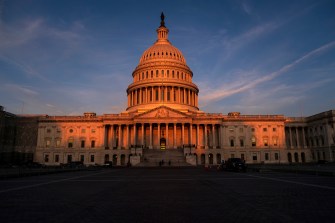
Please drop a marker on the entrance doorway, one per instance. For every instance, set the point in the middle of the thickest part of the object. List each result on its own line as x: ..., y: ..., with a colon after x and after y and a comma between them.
x: 163, y: 143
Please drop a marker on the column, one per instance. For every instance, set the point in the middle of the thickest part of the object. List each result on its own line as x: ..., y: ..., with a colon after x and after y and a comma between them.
x: 303, y: 137
x: 159, y: 94
x: 136, y: 102
x: 213, y: 135
x: 191, y: 134
x: 297, y: 136
x: 189, y: 97
x: 198, y: 136
x: 150, y: 132
x: 172, y: 94
x: 159, y: 135
x: 182, y: 133
x: 146, y: 95
x: 290, y: 137
x: 221, y: 138
x: 184, y: 98
x: 127, y: 136
x: 120, y: 135
x: 174, y: 135
x: 135, y: 134
x: 179, y: 93
x: 167, y: 135
x: 140, y: 91
x: 142, y: 134
x: 165, y: 93
x: 106, y: 136
x: 111, y: 141
x: 205, y: 132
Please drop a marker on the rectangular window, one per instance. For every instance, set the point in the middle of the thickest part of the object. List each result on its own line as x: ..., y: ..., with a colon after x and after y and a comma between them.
x: 82, y: 144
x: 82, y: 158
x: 265, y: 129
x: 242, y: 156
x: 93, y: 130
x: 274, y: 130
x: 275, y: 141
x: 254, y: 157
x: 266, y: 156
x: 253, y: 141
x: 276, y: 156
x: 48, y: 130
x: 93, y: 143
x: 69, y: 158
x: 56, y: 158
x: 241, y: 142
x: 92, y: 158
x: 46, y: 158
x: 232, y: 143
x: 232, y: 155
x: 252, y: 129
x: 47, y: 143
x: 70, y: 144
x: 57, y: 142
x: 265, y: 141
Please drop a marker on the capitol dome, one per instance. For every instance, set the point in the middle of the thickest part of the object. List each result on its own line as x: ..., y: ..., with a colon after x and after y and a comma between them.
x: 162, y: 77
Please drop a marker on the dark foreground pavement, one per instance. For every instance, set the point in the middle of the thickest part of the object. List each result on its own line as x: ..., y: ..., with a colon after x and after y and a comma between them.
x: 168, y: 195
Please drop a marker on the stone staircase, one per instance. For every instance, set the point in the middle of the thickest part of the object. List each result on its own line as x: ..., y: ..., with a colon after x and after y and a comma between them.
x: 152, y: 158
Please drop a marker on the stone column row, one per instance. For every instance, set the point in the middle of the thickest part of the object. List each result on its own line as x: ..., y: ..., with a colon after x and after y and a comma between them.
x: 163, y: 94
x: 123, y: 136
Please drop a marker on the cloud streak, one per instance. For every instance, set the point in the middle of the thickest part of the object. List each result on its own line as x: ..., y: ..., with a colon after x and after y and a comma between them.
x: 215, y: 95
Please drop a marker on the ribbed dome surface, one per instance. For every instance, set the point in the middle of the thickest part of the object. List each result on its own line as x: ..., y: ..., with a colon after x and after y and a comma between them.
x: 164, y: 51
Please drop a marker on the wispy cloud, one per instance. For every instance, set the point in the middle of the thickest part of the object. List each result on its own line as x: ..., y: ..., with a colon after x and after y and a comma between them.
x: 247, y: 84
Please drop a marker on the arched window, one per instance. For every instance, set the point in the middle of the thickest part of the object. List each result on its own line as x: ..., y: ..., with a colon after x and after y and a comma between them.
x: 210, y: 158
x: 296, y: 157
x: 289, y: 157
x: 232, y: 142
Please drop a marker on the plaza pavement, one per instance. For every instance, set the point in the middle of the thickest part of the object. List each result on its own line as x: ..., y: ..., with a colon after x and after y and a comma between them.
x: 168, y: 195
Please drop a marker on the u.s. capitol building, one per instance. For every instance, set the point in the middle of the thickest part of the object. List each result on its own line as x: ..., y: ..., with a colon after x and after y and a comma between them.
x: 163, y: 121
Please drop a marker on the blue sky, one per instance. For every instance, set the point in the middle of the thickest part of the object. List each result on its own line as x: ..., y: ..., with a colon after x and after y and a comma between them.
x: 256, y: 57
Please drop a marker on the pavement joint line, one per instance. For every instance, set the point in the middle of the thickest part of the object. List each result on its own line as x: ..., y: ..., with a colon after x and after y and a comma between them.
x: 294, y: 182
x: 46, y: 183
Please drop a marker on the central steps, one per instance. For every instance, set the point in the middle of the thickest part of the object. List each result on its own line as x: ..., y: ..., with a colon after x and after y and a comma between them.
x: 152, y: 157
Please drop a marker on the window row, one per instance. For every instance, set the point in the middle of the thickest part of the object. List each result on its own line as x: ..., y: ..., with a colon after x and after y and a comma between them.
x: 241, y: 129
x: 241, y: 142
x: 71, y: 130
x: 162, y: 74
x: 71, y: 143
x: 69, y: 158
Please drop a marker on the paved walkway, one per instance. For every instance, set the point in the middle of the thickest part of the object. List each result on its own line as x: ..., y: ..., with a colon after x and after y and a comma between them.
x: 314, y: 169
x: 168, y: 195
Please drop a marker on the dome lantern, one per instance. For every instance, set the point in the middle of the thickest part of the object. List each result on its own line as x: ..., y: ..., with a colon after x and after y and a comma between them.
x: 162, y: 32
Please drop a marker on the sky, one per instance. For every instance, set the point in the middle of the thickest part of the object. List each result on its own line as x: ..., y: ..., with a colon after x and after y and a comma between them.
x: 67, y: 57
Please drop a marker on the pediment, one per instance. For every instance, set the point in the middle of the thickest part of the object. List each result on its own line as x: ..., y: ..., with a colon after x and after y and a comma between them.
x: 162, y: 112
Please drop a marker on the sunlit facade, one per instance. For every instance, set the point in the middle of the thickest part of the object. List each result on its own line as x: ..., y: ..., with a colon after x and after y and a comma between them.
x: 163, y: 121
